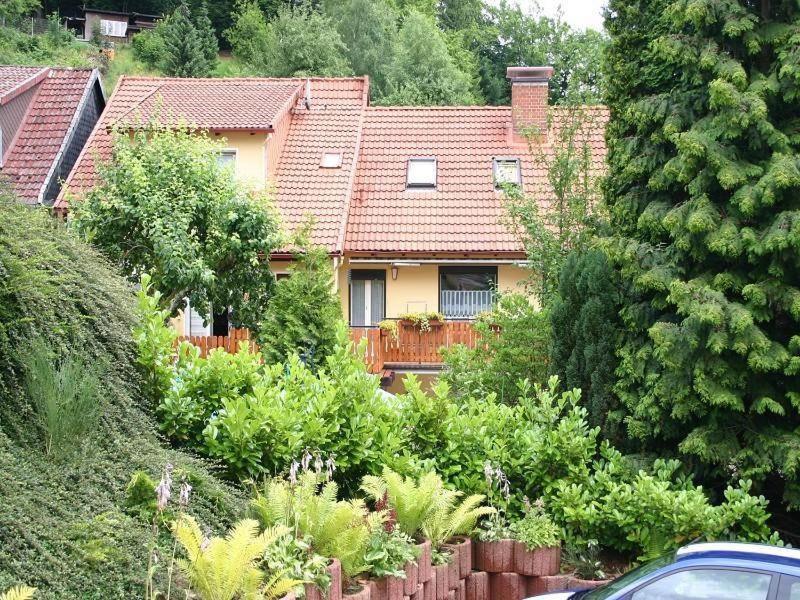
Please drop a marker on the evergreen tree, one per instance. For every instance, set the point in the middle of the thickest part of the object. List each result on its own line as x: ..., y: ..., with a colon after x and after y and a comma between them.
x: 460, y: 14
x: 303, y: 314
x: 422, y: 71
x: 184, y: 55
x: 584, y: 317
x: 703, y: 188
x: 205, y: 32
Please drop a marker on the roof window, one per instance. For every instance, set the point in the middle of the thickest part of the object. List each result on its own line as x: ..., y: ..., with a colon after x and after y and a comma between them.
x: 331, y: 160
x: 506, y: 171
x: 421, y: 173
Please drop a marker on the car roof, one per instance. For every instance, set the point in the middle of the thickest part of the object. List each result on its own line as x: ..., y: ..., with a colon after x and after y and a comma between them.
x: 761, y: 553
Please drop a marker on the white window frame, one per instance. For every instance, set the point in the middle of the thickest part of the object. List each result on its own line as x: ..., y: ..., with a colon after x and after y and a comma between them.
x: 334, y: 162
x: 422, y: 185
x: 229, y: 152
x: 187, y: 323
x: 496, y: 169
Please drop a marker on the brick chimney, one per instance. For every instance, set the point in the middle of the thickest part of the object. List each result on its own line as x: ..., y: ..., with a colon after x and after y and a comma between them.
x: 529, y: 89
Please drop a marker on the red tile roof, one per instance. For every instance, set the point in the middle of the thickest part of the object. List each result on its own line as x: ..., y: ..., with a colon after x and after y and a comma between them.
x: 41, y: 136
x: 223, y: 104
x: 464, y: 213
x: 333, y: 124
x: 14, y: 80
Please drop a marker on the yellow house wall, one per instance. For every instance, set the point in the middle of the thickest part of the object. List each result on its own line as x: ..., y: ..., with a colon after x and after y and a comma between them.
x: 417, y: 288
x: 251, y: 156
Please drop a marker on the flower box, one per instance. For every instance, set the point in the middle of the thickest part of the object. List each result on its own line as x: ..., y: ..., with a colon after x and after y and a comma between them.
x: 411, y: 581
x: 495, y: 557
x: 461, y: 548
x: 386, y: 588
x: 442, y: 573
x: 335, y: 590
x: 538, y: 562
x: 424, y: 562
x: 359, y: 592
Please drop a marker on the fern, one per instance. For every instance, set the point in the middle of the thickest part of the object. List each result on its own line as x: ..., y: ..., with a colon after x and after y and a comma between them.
x: 20, y: 592
x: 412, y: 501
x: 224, y: 568
x: 334, y: 528
x: 426, y: 507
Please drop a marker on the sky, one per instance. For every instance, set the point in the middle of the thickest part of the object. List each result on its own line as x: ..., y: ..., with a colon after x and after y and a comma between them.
x: 578, y: 13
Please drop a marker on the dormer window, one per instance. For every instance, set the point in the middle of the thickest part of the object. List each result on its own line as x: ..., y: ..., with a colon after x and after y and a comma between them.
x: 421, y: 173
x: 331, y: 160
x: 506, y: 171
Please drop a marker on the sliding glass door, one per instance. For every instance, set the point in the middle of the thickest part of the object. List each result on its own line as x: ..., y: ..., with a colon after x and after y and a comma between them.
x: 367, y: 297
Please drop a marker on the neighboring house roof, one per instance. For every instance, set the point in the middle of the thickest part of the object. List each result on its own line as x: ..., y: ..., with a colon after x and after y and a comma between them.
x: 47, y: 130
x: 15, y: 80
x: 332, y: 124
x: 464, y: 213
x: 221, y: 104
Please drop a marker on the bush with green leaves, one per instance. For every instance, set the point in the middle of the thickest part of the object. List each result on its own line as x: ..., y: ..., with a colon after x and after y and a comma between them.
x: 536, y: 529
x: 513, y: 345
x: 64, y: 526
x: 388, y: 552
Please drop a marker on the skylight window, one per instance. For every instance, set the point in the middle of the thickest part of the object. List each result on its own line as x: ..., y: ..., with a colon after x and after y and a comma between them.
x: 331, y: 160
x: 421, y: 173
x: 506, y: 171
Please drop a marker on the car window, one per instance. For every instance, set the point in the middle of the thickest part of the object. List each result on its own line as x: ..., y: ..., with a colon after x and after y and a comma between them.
x: 707, y: 584
x: 628, y: 578
x: 789, y: 589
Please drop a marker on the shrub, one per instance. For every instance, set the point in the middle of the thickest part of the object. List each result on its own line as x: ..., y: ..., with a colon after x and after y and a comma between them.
x: 513, y: 345
x: 62, y: 527
x: 149, y: 47
x: 388, y: 552
x: 303, y: 313
x: 536, y: 529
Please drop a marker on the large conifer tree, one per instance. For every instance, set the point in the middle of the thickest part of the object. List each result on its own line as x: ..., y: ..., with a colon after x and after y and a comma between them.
x: 704, y: 189
x: 184, y: 53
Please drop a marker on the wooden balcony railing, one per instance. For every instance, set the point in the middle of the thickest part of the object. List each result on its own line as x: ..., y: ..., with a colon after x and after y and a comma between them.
x: 410, y: 348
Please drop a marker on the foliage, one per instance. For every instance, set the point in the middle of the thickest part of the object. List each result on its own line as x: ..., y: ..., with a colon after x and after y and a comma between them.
x: 165, y: 206
x: 388, y: 552
x: 296, y: 560
x: 186, y: 48
x: 536, y: 529
x: 451, y: 515
x: 13, y: 9
x: 368, y: 29
x: 205, y: 32
x: 62, y: 528
x: 495, y: 528
x: 149, y: 45
x: 584, y: 560
x: 140, y: 497
x: 154, y: 339
x: 65, y: 394
x: 18, y: 47
x: 411, y: 500
x: 586, y: 328
x: 303, y: 313
x: 389, y: 327
x: 702, y: 191
x: 514, y: 340
x: 572, y: 197
x: 298, y: 42
x: 422, y: 72
x: 20, y: 592
x: 334, y: 528
x: 422, y: 320
x: 224, y: 568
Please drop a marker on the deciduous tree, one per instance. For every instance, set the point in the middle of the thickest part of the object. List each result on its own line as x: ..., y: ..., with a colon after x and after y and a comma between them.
x: 164, y: 206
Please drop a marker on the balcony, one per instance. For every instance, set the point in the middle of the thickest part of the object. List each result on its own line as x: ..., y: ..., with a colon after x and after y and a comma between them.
x: 409, y: 349
x: 465, y: 304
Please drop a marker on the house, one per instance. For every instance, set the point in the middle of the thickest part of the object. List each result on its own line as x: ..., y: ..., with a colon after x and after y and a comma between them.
x: 114, y: 25
x: 407, y: 200
x: 46, y: 116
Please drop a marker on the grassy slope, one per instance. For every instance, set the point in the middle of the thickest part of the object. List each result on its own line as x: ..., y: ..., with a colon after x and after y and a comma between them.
x: 63, y: 528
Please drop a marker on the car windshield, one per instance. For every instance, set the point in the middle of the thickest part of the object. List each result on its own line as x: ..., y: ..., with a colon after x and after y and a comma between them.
x: 622, y: 582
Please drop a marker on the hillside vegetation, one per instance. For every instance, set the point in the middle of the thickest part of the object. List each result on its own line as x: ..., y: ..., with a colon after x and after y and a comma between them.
x: 67, y: 525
